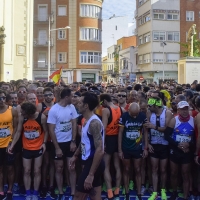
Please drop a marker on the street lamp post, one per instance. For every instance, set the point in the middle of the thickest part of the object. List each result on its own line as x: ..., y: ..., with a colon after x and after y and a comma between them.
x: 163, y: 44
x: 49, y: 45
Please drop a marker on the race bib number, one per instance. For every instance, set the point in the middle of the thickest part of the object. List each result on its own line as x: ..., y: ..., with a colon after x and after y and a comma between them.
x: 65, y: 126
x: 83, y: 152
x: 31, y: 135
x: 183, y: 138
x: 156, y: 133
x: 133, y: 135
x: 4, y: 132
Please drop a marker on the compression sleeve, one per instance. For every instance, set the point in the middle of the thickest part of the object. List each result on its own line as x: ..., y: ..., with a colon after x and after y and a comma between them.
x: 168, y: 136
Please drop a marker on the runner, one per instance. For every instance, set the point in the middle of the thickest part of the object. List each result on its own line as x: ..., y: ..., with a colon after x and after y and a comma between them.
x: 39, y: 94
x: 122, y: 98
x: 92, y: 147
x: 48, y: 162
x: 110, y: 119
x: 180, y: 135
x: 34, y: 128
x: 8, y: 124
x: 158, y: 119
x: 62, y: 127
x: 130, y: 145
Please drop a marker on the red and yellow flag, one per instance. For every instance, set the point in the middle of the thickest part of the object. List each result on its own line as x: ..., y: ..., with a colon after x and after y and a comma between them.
x: 55, y: 77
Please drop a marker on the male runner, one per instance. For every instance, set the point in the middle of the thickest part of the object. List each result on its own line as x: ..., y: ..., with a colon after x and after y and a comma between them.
x: 34, y: 128
x: 92, y: 148
x: 62, y: 127
x: 158, y: 119
x: 44, y: 108
x: 130, y: 145
x: 110, y: 119
x: 122, y: 98
x: 180, y: 135
x: 8, y: 124
x: 39, y: 94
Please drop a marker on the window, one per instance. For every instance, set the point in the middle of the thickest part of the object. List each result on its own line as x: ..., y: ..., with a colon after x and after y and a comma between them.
x: 189, y: 15
x: 146, y: 58
x: 173, y: 36
x: 159, y: 16
x: 140, y: 59
x: 140, y: 22
x: 42, y: 37
x: 61, y: 34
x: 160, y: 36
x: 140, y: 40
x: 61, y: 57
x: 90, y: 34
x: 172, y: 58
x: 147, y: 38
x: 90, y: 11
x: 42, y: 13
x: 42, y: 59
x: 146, y: 18
x: 62, y: 11
x: 116, y: 28
x: 140, y: 2
x: 172, y: 16
x: 90, y: 58
x: 199, y: 14
x: 158, y: 57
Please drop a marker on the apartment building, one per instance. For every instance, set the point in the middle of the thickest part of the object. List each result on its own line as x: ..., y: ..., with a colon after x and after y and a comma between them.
x: 190, y: 14
x: 158, y: 31
x: 16, y: 36
x: 77, y: 50
x: 115, y: 28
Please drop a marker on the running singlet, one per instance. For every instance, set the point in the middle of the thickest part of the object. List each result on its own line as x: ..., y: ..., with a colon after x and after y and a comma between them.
x: 87, y: 141
x: 113, y: 127
x: 6, y: 127
x: 183, y: 131
x: 157, y: 137
x: 33, y: 135
x: 132, y: 135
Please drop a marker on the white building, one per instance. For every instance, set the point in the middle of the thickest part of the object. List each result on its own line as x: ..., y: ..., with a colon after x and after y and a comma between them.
x: 113, y: 29
x: 158, y: 30
x: 17, y: 51
x: 127, y: 64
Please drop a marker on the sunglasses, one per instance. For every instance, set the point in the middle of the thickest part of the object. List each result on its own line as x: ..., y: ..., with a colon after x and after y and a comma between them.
x: 75, y: 96
x: 119, y: 95
x: 22, y: 92
x: 48, y: 95
x: 2, y: 98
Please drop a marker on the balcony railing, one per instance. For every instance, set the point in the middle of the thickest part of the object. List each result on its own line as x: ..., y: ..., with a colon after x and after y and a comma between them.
x: 43, y: 18
x: 42, y: 66
x: 42, y: 42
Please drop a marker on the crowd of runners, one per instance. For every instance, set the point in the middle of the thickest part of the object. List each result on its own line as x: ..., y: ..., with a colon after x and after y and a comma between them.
x: 95, y: 137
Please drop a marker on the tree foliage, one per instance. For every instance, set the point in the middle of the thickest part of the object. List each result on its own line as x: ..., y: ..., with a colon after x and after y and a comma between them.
x: 196, y: 45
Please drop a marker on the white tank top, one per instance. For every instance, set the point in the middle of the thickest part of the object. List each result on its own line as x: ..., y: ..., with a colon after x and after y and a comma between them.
x: 156, y: 136
x: 87, y: 141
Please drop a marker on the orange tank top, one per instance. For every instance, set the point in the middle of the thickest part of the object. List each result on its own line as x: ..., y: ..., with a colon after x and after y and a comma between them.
x: 113, y: 127
x: 6, y: 127
x: 33, y: 135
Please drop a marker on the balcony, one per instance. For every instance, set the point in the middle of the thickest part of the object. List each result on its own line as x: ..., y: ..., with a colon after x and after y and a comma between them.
x: 135, y: 13
x: 43, y: 19
x: 43, y: 66
x: 42, y: 42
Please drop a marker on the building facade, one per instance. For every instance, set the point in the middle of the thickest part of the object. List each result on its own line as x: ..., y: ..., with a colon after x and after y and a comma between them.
x: 158, y: 31
x: 190, y: 14
x: 115, y: 28
x: 16, y: 46
x: 76, y: 50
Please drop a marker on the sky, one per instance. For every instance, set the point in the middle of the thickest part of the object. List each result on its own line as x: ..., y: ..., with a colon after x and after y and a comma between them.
x: 119, y: 8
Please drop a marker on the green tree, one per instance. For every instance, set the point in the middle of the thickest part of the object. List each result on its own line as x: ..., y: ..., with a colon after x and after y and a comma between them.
x: 196, y: 45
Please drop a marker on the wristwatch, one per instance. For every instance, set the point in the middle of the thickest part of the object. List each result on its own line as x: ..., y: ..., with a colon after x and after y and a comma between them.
x: 74, y: 141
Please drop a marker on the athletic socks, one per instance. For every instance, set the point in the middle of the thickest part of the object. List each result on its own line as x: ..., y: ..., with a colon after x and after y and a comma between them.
x: 28, y: 192
x: 35, y: 192
x: 110, y: 193
x: 116, y: 192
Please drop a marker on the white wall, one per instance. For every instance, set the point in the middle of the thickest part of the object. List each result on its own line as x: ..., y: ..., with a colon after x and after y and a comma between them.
x: 109, y: 33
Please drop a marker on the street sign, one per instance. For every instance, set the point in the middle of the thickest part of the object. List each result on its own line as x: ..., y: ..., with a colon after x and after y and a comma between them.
x: 141, y: 78
x: 132, y: 78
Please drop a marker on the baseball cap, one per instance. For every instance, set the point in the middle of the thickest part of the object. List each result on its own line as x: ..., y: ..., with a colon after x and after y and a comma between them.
x: 182, y: 104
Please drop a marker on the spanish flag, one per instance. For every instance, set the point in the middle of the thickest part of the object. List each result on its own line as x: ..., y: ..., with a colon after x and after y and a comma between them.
x: 55, y: 77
